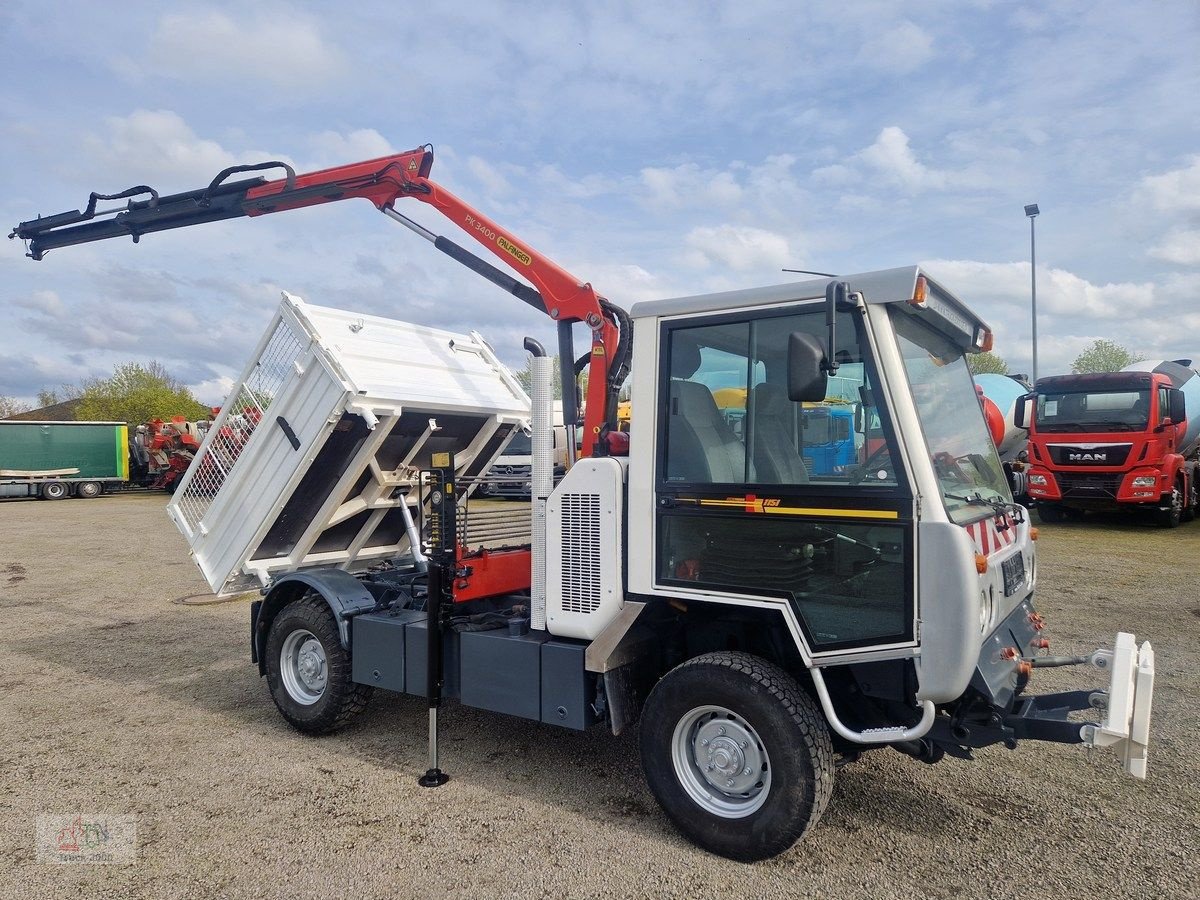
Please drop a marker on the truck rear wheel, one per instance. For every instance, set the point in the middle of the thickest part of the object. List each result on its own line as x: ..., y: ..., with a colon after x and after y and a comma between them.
x: 88, y: 489
x: 308, y: 670
x: 1172, y: 512
x: 54, y: 490
x: 737, y: 755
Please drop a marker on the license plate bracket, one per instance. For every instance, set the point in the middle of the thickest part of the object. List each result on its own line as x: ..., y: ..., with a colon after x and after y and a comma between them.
x: 1013, y: 570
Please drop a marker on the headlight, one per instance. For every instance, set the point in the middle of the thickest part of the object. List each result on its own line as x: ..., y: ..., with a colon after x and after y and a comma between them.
x: 1145, y: 481
x: 1039, y: 480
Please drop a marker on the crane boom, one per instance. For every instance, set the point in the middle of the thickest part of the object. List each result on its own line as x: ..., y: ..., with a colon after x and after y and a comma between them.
x: 382, y: 181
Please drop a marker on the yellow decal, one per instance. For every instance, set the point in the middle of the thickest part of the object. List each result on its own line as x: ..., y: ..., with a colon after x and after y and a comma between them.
x: 441, y: 460
x: 513, y: 250
x: 598, y: 350
x: 760, y: 505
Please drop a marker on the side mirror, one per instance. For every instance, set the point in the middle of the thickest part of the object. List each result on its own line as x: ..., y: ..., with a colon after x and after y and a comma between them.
x: 1023, y: 411
x: 1178, y: 405
x: 808, y: 376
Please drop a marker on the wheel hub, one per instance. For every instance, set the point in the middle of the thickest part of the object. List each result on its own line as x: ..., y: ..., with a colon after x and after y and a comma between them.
x: 729, y: 756
x: 303, y: 667
x: 311, y: 665
x: 721, y: 762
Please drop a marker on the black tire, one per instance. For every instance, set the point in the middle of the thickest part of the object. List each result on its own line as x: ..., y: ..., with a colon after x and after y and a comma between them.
x: 1172, y: 514
x: 89, y: 489
x: 794, y: 754
x: 1192, y: 501
x: 340, y: 699
x: 54, y: 490
x: 1050, y: 513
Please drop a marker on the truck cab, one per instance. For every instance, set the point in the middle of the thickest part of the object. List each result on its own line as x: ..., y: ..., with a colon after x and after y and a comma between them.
x: 1110, y: 440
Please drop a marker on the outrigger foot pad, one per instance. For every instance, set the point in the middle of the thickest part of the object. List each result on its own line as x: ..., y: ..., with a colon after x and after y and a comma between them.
x: 433, y: 778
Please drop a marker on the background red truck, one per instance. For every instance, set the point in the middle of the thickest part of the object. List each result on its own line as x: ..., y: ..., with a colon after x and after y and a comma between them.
x: 1116, y: 440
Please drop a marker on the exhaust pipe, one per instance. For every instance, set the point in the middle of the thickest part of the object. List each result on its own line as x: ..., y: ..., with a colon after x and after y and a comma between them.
x: 542, y: 441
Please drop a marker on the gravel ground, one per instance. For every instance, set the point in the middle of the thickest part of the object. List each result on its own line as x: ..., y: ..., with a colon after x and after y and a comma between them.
x: 118, y: 701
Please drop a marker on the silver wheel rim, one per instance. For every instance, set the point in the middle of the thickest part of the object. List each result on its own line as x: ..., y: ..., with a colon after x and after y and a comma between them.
x: 89, y: 489
x: 303, y: 666
x: 721, y: 762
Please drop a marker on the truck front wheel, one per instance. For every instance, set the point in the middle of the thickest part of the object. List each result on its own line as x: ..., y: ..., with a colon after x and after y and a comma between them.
x: 308, y: 670
x: 1172, y: 512
x: 737, y: 755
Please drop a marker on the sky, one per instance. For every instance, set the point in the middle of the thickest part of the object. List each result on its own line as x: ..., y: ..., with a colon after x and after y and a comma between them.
x: 653, y: 149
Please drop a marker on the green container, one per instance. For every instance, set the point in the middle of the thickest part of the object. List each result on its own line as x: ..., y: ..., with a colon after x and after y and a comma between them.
x: 97, y: 449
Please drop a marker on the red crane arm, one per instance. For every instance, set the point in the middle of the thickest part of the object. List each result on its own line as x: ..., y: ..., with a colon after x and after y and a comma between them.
x: 382, y: 181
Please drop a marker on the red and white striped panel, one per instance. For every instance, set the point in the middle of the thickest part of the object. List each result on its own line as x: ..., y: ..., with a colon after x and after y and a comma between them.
x: 989, y: 538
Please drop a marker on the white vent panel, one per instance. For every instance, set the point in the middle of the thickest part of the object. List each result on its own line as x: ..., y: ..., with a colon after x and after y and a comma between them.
x: 584, y: 523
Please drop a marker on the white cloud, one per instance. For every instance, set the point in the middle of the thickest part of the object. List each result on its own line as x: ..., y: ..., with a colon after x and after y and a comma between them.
x: 285, y: 49
x: 154, y: 147
x: 892, y: 157
x: 688, y: 185
x: 488, y: 175
x: 332, y: 148
x: 901, y: 49
x: 1180, y: 246
x: 1175, y: 191
x: 738, y: 247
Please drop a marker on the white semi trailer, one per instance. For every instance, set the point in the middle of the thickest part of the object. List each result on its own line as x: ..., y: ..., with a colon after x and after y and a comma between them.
x: 759, y: 619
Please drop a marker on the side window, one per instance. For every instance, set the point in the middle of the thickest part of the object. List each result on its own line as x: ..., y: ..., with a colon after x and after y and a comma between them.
x: 706, y: 404
x: 729, y: 419
x: 1164, y: 404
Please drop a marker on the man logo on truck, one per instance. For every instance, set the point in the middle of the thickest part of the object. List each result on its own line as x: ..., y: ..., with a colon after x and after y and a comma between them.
x: 1087, y: 457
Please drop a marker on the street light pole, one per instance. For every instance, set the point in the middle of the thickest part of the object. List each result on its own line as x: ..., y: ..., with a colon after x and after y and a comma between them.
x: 1032, y: 212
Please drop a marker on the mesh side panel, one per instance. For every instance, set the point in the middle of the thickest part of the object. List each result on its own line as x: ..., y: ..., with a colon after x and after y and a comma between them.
x: 580, y: 553
x: 242, y: 414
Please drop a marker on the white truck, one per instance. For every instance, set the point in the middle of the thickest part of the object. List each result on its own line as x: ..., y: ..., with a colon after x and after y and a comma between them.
x: 761, y: 620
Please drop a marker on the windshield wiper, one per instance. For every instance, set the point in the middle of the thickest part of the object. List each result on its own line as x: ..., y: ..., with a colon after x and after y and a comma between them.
x: 1000, y: 507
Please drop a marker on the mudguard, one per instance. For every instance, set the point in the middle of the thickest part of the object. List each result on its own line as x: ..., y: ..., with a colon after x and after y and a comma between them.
x: 345, y: 594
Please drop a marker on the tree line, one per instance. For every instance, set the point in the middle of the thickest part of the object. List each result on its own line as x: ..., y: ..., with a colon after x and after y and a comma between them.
x: 134, y: 393
x: 1101, y: 356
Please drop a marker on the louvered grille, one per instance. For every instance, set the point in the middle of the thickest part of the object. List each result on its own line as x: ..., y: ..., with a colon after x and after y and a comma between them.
x: 1083, y: 486
x: 580, y: 551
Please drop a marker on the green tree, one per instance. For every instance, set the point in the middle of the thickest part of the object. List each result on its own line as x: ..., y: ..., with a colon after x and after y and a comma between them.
x: 987, y: 364
x: 137, y: 393
x: 1104, y: 356
x: 10, y: 406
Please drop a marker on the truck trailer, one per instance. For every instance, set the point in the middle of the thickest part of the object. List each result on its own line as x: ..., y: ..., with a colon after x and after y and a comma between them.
x: 53, y: 460
x: 1116, y: 440
x: 757, y: 620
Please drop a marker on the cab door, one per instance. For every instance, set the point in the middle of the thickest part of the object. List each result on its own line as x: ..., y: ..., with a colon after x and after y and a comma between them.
x: 743, y: 516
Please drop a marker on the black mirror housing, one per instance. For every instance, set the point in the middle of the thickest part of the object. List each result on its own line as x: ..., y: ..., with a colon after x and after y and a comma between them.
x: 808, y: 375
x: 1024, y: 402
x: 1178, y: 410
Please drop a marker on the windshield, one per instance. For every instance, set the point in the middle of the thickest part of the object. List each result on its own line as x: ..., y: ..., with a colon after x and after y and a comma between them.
x: 1065, y: 411
x: 518, y: 445
x: 964, y: 458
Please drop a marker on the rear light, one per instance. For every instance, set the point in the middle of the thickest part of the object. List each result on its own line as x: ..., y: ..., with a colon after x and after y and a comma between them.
x: 1033, y: 534
x: 981, y: 564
